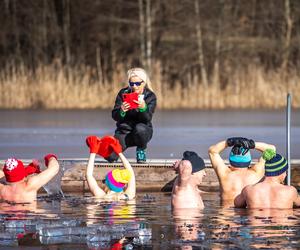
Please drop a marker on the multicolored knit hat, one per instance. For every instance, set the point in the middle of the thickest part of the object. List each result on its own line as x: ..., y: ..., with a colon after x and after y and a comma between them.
x: 238, y: 160
x: 275, y: 163
x: 116, y: 179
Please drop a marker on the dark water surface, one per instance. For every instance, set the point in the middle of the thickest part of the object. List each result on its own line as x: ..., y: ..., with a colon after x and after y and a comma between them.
x: 78, y: 222
x: 33, y: 133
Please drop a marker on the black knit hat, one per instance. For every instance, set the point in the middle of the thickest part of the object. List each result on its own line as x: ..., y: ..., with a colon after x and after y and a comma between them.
x: 196, y: 161
x: 275, y: 163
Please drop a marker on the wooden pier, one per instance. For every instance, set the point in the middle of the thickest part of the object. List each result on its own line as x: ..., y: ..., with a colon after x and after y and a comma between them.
x: 154, y: 175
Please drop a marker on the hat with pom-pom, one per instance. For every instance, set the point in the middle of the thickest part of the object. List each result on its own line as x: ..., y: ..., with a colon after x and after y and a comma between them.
x: 275, y: 163
x: 14, y: 170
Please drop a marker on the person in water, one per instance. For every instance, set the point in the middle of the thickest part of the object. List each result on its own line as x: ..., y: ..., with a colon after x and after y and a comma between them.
x: 185, y: 193
x: 270, y: 192
x: 21, y: 186
x: 118, y: 184
x: 134, y: 126
x: 240, y: 172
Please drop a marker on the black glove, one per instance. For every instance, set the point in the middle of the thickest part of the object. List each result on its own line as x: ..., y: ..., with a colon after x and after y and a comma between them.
x: 236, y: 150
x: 235, y: 141
x: 247, y: 145
x: 251, y: 144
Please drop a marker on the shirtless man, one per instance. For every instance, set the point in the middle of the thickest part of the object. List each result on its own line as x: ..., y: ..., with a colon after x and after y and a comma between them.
x: 22, y: 189
x: 185, y: 193
x: 270, y: 192
x: 118, y: 184
x: 240, y: 172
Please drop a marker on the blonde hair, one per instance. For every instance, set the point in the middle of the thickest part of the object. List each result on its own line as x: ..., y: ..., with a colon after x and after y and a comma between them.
x: 140, y: 73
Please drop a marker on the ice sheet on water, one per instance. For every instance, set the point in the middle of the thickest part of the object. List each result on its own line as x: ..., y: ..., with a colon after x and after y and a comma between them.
x: 104, y: 236
x: 19, y: 223
x: 9, y: 242
x: 53, y: 187
x: 58, y: 223
x: 63, y: 231
x: 69, y: 239
x: 39, y: 223
x: 8, y: 236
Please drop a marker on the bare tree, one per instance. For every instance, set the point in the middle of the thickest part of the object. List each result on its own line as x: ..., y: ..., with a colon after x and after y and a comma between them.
x: 149, y: 35
x: 200, y: 45
x: 288, y: 34
x: 66, y: 28
x: 142, y: 32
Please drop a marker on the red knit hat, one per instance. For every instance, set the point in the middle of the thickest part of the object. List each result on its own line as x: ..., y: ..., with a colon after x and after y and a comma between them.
x: 14, y: 170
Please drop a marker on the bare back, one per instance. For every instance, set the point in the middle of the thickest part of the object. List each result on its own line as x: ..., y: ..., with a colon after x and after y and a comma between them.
x: 18, y: 192
x: 235, y: 180
x: 269, y: 195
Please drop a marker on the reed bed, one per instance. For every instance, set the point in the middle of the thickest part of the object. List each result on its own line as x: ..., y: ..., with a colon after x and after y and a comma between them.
x: 57, y: 87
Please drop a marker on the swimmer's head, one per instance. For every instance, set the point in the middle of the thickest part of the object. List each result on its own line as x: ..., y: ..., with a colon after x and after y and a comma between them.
x: 238, y: 158
x: 275, y: 163
x: 196, y: 161
x: 14, y: 170
x: 117, y: 179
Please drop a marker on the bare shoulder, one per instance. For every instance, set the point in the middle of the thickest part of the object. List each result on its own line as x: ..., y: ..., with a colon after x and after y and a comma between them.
x: 292, y: 190
x: 248, y: 189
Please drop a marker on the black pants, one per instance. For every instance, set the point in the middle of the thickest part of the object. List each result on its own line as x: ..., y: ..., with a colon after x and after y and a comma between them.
x: 138, y: 136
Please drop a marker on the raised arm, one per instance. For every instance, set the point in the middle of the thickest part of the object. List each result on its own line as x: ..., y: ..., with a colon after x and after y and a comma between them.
x: 39, y: 180
x: 259, y: 167
x: 216, y: 160
x: 131, y: 185
x: 92, y: 183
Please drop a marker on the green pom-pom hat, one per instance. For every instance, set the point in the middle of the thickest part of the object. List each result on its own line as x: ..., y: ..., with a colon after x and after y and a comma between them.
x: 268, y: 154
x: 275, y: 163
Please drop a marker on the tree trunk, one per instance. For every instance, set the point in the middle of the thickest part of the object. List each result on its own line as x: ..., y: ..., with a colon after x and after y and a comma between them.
x: 149, y: 35
x: 66, y: 33
x: 142, y: 32
x: 44, y: 32
x: 16, y: 33
x: 200, y: 45
x: 99, y: 65
x: 287, y: 41
x: 216, y: 71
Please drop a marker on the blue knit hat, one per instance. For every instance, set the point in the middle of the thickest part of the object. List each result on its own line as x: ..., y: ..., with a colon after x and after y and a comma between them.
x: 275, y: 163
x: 237, y: 159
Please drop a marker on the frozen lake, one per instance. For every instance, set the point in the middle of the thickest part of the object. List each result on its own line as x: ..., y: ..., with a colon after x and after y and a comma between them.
x: 33, y: 133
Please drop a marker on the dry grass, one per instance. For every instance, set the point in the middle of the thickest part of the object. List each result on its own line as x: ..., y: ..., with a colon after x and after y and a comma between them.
x: 50, y: 88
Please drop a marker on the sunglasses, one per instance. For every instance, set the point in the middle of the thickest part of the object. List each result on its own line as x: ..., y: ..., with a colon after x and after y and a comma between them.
x: 131, y: 84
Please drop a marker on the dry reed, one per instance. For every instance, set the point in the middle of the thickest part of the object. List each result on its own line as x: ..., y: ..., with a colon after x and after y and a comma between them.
x: 55, y: 87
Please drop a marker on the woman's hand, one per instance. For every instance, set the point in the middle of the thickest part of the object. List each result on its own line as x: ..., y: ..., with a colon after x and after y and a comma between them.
x: 141, y: 103
x: 125, y: 106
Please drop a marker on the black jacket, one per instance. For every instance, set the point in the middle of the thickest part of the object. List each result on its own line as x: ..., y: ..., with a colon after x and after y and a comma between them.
x: 134, y: 116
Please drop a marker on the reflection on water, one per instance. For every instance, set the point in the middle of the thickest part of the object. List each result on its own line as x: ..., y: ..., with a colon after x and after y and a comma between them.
x: 85, y: 223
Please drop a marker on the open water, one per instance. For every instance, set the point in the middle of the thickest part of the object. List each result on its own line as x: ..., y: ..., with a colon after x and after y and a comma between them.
x: 83, y: 222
